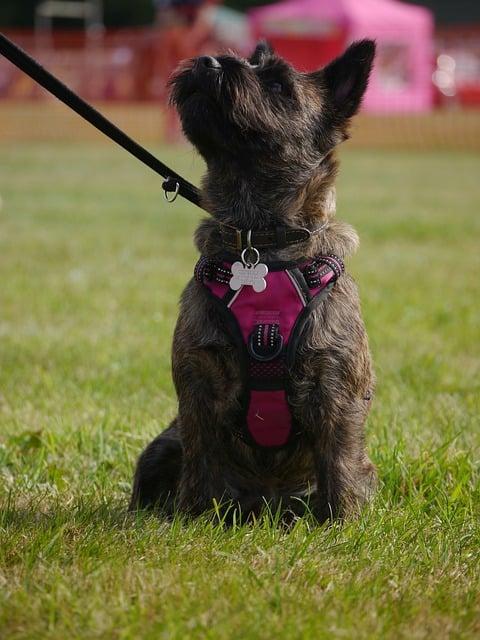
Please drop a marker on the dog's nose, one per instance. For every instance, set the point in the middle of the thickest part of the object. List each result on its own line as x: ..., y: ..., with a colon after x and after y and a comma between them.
x: 209, y: 62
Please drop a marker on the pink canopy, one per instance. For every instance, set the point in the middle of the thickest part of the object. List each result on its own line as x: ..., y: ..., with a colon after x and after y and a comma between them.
x: 303, y: 29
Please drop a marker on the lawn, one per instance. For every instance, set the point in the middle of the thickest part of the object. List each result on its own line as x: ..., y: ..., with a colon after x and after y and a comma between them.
x: 92, y: 262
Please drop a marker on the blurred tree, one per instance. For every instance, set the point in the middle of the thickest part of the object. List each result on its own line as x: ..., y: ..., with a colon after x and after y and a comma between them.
x: 15, y: 13
x: 447, y: 12
x: 243, y: 5
x: 19, y: 13
x: 128, y: 12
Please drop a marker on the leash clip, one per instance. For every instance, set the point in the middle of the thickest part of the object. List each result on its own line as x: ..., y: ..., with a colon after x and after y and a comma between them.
x: 170, y: 186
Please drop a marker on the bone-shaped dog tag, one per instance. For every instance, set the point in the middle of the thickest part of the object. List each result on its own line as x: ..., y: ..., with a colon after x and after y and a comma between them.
x: 249, y: 274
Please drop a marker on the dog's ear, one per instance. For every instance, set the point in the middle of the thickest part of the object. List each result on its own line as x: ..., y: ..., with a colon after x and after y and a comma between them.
x: 346, y: 78
x: 263, y: 50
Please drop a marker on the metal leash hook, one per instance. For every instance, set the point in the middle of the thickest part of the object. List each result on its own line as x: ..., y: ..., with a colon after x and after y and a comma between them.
x: 170, y: 185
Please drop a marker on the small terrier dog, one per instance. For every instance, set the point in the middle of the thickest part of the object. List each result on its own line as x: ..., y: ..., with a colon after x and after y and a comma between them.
x: 270, y: 356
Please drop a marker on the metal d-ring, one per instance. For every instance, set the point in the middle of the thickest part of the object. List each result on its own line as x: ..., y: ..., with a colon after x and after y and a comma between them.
x: 249, y: 263
x: 175, y: 193
x: 249, y: 248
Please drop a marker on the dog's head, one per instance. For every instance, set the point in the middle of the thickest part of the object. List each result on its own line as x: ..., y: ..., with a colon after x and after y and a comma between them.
x: 260, y: 108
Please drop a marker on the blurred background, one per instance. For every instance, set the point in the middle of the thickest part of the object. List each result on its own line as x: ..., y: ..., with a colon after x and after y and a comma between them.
x: 92, y: 263
x: 424, y: 93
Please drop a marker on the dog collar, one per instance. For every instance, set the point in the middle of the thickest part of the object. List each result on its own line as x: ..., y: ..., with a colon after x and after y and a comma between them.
x: 274, y: 238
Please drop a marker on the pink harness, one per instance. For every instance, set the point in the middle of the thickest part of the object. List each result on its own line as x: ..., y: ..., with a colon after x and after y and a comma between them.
x: 267, y: 327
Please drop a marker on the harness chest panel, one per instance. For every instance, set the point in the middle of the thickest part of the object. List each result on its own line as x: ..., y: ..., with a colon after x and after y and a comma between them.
x: 268, y: 325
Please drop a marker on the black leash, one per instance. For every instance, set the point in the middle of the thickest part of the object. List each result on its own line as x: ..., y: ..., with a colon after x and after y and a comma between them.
x: 173, y: 183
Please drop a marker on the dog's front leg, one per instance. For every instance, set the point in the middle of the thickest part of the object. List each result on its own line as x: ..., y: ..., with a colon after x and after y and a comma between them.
x: 204, y: 397
x: 345, y: 476
x: 331, y: 485
x: 201, y: 481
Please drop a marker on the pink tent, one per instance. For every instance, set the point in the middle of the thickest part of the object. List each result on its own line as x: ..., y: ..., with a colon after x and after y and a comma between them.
x: 311, y: 32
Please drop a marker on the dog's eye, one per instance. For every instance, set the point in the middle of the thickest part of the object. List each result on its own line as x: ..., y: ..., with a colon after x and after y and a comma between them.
x: 275, y: 87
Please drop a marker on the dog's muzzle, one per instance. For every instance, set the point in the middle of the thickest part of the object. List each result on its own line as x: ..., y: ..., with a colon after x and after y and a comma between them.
x: 207, y: 65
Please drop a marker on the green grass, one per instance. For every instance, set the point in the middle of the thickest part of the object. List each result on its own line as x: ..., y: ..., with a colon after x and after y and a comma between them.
x: 92, y: 262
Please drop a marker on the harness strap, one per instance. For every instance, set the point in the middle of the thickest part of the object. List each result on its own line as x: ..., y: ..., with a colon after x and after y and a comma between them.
x: 317, y: 272
x: 269, y: 325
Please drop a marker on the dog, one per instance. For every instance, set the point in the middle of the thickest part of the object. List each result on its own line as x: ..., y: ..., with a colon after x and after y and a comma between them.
x: 270, y: 358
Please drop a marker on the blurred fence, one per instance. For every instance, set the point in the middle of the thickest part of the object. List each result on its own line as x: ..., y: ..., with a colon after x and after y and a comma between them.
x: 125, y: 72
x: 122, y: 65
x: 50, y: 121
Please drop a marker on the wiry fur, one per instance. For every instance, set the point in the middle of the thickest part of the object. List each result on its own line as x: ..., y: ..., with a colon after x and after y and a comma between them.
x: 267, y: 134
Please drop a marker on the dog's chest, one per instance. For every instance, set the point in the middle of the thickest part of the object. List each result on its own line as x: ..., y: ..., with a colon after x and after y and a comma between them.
x: 267, y: 323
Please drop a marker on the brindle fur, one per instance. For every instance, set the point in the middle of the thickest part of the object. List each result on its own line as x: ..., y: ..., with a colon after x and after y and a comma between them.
x: 270, y: 161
